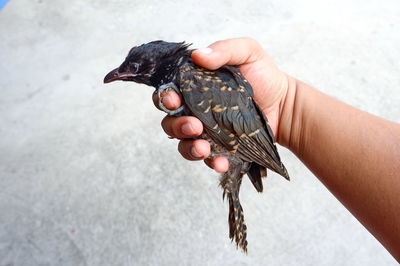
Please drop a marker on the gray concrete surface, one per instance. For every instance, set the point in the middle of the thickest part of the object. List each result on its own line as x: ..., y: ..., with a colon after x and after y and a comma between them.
x: 89, y: 178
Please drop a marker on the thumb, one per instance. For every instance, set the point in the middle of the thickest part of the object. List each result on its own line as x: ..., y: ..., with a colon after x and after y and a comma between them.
x: 236, y: 51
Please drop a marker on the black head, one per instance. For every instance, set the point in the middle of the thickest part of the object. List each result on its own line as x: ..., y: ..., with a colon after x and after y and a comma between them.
x: 153, y: 63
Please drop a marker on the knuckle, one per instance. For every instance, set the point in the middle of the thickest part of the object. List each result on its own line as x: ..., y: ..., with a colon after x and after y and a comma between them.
x: 183, y: 147
x: 180, y: 147
x: 156, y: 101
x: 166, y: 125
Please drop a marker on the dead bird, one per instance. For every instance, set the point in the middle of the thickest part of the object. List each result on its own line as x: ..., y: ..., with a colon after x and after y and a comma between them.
x: 222, y: 100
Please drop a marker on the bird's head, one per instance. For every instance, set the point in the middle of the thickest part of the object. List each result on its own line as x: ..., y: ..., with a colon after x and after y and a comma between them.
x: 153, y: 63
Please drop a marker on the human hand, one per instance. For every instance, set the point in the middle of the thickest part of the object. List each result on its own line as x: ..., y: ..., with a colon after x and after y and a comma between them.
x: 270, y: 86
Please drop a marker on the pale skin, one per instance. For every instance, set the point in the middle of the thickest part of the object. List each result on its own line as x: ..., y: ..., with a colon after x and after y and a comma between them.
x: 356, y: 155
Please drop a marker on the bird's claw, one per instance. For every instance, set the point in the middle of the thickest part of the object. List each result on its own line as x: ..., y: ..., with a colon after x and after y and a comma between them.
x: 168, y: 87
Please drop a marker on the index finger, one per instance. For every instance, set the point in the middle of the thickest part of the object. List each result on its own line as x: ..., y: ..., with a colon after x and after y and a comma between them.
x: 236, y: 51
x: 169, y: 99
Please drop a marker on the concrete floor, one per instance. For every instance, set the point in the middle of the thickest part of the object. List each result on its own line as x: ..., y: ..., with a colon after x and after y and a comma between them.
x: 89, y: 178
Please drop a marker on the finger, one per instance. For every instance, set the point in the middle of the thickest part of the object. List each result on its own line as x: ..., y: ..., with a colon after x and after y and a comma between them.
x: 208, y: 161
x: 194, y: 150
x: 220, y: 164
x: 170, y: 99
x: 182, y: 127
x: 228, y: 52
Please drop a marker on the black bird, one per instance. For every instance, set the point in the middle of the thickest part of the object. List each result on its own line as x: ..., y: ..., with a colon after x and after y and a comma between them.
x: 223, y: 101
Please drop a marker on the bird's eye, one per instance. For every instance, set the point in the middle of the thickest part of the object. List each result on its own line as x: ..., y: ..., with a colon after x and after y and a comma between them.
x: 134, y: 67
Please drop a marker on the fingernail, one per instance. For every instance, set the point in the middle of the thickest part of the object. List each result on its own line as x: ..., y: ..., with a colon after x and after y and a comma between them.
x: 195, y: 153
x: 187, y: 129
x: 206, y: 50
x: 165, y: 99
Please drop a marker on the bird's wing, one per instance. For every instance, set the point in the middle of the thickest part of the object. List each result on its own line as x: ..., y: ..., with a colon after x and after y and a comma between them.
x: 222, y: 100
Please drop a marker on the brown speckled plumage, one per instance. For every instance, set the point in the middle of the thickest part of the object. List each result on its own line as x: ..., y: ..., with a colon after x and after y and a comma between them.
x: 223, y: 101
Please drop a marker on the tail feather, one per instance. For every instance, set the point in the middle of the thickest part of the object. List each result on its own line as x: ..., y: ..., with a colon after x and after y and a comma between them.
x: 256, y: 173
x: 231, y: 219
x: 237, y: 225
x: 283, y: 172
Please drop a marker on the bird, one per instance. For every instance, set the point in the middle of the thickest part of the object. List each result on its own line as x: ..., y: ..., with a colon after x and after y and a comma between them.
x: 222, y: 100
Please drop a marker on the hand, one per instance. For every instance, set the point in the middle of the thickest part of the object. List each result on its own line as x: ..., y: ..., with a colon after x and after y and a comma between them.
x: 270, y: 86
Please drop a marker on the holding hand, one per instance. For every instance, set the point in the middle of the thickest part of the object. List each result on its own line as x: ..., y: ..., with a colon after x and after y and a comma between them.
x: 270, y: 87
x: 359, y: 166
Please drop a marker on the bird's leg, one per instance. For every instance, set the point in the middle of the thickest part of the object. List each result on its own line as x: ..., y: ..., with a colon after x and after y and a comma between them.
x: 169, y: 87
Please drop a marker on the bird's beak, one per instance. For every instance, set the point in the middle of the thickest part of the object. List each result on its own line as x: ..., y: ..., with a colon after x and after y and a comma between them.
x: 116, y: 75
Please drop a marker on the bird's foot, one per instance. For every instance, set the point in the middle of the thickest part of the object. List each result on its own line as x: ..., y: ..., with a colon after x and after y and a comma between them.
x: 169, y: 87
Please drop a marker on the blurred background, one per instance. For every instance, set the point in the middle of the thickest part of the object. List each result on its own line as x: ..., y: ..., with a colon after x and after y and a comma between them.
x: 87, y: 176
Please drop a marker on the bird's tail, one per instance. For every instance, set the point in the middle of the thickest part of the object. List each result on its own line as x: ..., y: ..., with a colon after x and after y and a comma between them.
x: 255, y: 173
x: 283, y: 172
x: 237, y: 226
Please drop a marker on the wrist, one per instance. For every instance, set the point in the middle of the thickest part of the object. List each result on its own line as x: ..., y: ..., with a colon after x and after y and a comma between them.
x: 290, y: 116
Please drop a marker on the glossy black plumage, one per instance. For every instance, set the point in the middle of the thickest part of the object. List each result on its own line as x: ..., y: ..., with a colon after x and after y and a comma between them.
x: 222, y: 99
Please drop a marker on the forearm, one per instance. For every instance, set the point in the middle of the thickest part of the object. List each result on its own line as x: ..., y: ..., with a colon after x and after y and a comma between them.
x: 355, y: 154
